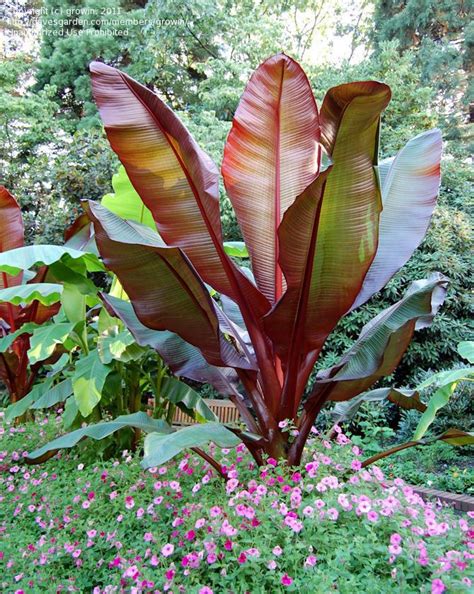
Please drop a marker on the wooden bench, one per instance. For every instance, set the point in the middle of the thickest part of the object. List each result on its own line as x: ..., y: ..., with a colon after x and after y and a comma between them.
x: 225, y: 410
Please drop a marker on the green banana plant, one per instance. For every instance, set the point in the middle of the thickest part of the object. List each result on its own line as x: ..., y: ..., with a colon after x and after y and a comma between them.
x: 101, y: 368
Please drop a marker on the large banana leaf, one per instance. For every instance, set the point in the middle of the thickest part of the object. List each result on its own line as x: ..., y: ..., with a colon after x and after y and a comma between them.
x: 45, y: 339
x: 409, y: 183
x: 187, y: 399
x: 270, y: 157
x: 160, y: 447
x: 382, y: 342
x: 45, y: 293
x: 162, y: 284
x: 125, y: 202
x: 328, y: 237
x: 88, y: 382
x: 11, y: 237
x: 139, y: 420
x: 120, y: 346
x: 80, y: 235
x: 21, y: 406
x: 182, y: 358
x: 447, y: 382
x: 176, y: 180
x: 23, y: 258
x: 9, y: 339
x: 407, y: 399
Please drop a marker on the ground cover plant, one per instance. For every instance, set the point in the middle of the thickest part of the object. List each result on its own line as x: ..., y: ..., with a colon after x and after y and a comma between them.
x: 84, y: 524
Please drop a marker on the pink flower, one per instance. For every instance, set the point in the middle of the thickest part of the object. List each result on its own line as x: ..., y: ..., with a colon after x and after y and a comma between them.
x: 86, y: 504
x: 286, y: 580
x: 395, y: 539
x: 372, y: 516
x: 154, y: 561
x: 167, y: 550
x: 129, y: 502
x: 131, y: 572
x: 437, y: 586
x: 206, y: 590
x: 242, y: 558
x: 277, y: 551
x: 333, y: 513
x: 356, y: 465
x: 395, y: 549
x: 310, y: 561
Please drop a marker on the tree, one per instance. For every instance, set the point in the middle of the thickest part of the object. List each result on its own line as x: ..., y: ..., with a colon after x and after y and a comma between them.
x: 440, y: 32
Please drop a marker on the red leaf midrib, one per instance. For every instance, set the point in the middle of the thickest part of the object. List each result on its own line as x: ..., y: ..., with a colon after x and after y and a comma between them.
x: 278, y: 281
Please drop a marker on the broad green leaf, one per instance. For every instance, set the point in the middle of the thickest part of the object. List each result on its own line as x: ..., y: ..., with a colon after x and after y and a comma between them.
x: 70, y: 412
x: 63, y: 272
x: 74, y: 305
x: 9, y: 339
x: 15, y: 261
x: 88, y: 381
x: 408, y: 399
x: 139, y: 420
x: 112, y: 346
x: 45, y: 293
x: 237, y: 249
x: 443, y: 378
x: 447, y: 382
x: 21, y: 406
x: 466, y: 350
x: 186, y: 398
x: 60, y: 364
x: 58, y: 393
x: 125, y: 202
x: 46, y: 338
x: 159, y: 447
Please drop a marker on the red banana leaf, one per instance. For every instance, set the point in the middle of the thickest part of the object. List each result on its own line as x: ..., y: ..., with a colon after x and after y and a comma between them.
x: 328, y: 237
x: 270, y: 157
x: 176, y: 180
x: 11, y: 237
x: 409, y: 184
x: 183, y: 359
x: 162, y: 284
x: 383, y: 341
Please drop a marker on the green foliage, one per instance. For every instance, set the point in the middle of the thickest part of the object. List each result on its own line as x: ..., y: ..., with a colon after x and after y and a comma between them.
x: 439, y: 32
x: 136, y: 509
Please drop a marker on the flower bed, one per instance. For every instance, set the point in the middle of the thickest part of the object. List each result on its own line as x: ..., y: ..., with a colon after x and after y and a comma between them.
x: 110, y: 526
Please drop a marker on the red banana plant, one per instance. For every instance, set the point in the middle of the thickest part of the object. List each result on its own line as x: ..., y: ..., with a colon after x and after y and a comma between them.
x: 15, y: 370
x: 322, y: 241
